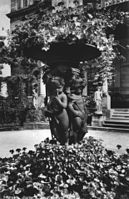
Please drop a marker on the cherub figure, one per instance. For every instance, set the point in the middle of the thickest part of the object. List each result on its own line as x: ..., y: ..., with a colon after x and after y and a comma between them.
x: 77, y: 113
x: 56, y: 109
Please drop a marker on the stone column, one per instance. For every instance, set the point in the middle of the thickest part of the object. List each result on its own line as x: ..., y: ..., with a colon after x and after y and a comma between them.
x: 105, y: 92
x: 106, y: 101
x: 42, y: 87
x: 16, y: 5
x: 85, y: 89
x: 4, y: 91
x: 21, y: 3
x: 67, y: 3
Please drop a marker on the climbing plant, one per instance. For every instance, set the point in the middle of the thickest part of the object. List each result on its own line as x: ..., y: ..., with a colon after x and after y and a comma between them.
x: 54, y: 25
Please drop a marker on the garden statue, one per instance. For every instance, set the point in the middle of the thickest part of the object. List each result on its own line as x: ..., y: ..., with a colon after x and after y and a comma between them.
x: 35, y: 97
x: 98, y: 100
x: 65, y: 106
x: 76, y: 106
x: 56, y: 109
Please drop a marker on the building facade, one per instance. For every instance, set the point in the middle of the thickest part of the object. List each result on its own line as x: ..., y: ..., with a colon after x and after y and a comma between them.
x: 4, y: 68
x: 120, y: 86
x: 22, y: 8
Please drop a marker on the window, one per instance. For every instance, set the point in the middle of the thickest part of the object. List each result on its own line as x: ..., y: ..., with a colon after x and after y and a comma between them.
x: 13, y: 5
x: 31, y: 2
x: 18, y: 4
x: 25, y: 3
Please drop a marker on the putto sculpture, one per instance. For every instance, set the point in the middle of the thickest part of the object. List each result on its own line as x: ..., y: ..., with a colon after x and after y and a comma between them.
x: 64, y: 103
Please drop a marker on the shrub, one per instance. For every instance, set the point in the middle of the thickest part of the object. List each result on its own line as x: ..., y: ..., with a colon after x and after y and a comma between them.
x: 86, y: 170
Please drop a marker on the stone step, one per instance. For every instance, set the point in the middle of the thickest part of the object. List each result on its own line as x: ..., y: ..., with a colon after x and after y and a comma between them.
x: 113, y: 125
x: 113, y: 113
x: 36, y: 125
x: 9, y: 127
x: 119, y: 110
x: 121, y: 113
x: 117, y: 122
x: 109, y: 129
x: 122, y: 116
x: 119, y: 118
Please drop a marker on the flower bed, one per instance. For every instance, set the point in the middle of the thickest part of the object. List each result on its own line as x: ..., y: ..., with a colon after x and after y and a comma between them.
x: 86, y: 170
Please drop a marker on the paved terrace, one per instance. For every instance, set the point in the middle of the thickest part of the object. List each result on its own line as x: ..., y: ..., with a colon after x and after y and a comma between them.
x: 28, y: 138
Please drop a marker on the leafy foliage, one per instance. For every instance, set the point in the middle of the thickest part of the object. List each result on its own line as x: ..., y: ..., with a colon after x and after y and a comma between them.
x: 85, y: 170
x: 47, y: 26
x: 50, y: 26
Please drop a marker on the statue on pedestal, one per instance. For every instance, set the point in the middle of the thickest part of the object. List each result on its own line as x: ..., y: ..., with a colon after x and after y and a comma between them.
x: 98, y: 100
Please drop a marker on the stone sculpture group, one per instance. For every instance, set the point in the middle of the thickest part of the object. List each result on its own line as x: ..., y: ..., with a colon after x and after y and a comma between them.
x: 64, y: 102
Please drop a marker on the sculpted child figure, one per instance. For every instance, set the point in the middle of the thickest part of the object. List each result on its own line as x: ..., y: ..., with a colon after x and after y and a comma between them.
x: 76, y: 108
x: 98, y: 99
x: 78, y: 118
x: 56, y: 109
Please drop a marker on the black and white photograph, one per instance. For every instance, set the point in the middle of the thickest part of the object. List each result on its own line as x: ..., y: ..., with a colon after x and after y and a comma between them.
x: 64, y: 99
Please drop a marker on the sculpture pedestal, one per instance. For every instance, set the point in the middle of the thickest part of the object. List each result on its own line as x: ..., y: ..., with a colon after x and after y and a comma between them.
x: 36, y: 125
x: 106, y: 105
x: 97, y: 119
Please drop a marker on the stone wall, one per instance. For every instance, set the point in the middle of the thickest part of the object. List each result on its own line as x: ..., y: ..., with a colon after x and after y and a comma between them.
x: 124, y: 79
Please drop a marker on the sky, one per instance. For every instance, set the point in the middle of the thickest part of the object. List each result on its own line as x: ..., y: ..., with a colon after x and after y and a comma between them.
x: 4, y: 9
x: 4, y: 6
x: 4, y: 26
